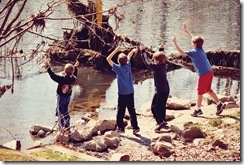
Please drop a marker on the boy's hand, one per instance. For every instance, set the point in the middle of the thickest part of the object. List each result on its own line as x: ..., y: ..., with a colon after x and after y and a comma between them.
x: 141, y: 47
x: 185, y: 28
x: 174, y: 40
x: 135, y: 50
x: 118, y: 49
x: 76, y: 63
x: 46, y: 64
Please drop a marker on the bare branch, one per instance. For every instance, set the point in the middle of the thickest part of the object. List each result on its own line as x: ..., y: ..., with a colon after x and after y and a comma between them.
x: 16, y: 17
x: 7, y: 16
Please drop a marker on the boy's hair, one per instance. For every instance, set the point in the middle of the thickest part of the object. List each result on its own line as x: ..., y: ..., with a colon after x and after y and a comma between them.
x: 69, y: 69
x: 160, y: 56
x: 122, y: 59
x: 198, y: 40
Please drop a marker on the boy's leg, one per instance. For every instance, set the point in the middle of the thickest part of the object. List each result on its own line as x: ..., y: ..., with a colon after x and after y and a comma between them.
x: 161, y: 107
x: 63, y: 112
x: 214, y: 96
x: 153, y: 106
x: 199, y: 101
x: 165, y: 98
x: 220, y: 105
x: 121, y: 111
x: 132, y: 112
x: 66, y: 114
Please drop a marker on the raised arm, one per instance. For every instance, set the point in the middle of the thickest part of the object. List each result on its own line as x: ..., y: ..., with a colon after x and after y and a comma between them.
x: 132, y: 52
x: 53, y: 76
x: 109, y: 58
x: 187, y: 30
x: 178, y: 48
x: 147, y: 62
x: 75, y: 66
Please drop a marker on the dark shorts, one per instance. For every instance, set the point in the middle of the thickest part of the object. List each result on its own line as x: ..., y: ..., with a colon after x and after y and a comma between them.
x: 204, y: 83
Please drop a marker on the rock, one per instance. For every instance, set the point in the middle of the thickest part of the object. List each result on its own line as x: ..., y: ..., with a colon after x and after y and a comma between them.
x: 169, y: 117
x: 188, y: 124
x: 178, y: 104
x: 231, y: 99
x: 198, y: 142
x: 127, y: 116
x: 164, y: 138
x: 95, y: 146
x: 111, y: 134
x: 111, y: 107
x: 176, y: 130
x: 209, y: 101
x: 231, y: 105
x: 162, y: 149
x: 106, y: 125
x: 90, y: 129
x: 112, y: 142
x: 193, y: 132
x: 14, y: 144
x: 60, y: 137
x: 120, y: 157
x: 41, y: 134
x: 77, y: 136
x: 125, y: 122
x: 36, y: 128
x: 220, y: 144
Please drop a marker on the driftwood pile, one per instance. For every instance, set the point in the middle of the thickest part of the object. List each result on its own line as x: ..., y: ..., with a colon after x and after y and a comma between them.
x: 91, y: 44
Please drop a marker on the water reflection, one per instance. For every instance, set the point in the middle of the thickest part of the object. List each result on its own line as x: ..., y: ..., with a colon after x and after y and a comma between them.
x: 182, y: 84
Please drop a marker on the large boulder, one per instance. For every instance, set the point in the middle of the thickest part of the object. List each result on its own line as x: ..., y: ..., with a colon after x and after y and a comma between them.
x: 89, y: 130
x: 112, y: 142
x: 193, y: 133
x: 37, y: 128
x: 162, y: 148
x: 176, y: 130
x: 163, y: 138
x: 95, y: 146
x: 106, y: 125
x: 175, y: 103
x: 77, y: 136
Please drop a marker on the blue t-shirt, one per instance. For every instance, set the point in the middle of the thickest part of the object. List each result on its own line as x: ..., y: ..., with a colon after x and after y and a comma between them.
x: 124, y: 78
x: 200, y: 61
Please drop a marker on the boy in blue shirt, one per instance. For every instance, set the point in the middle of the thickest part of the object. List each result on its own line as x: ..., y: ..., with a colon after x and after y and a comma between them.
x: 204, y: 70
x: 125, y: 89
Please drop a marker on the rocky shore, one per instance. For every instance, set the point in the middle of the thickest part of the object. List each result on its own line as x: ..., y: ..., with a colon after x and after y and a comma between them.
x: 204, y: 138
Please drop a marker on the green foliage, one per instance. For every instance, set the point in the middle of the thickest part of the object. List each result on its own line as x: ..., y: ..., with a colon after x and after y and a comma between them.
x: 56, y: 156
x: 215, y: 122
x: 10, y: 155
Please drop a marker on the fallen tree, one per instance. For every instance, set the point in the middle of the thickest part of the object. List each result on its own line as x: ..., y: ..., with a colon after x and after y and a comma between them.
x: 91, y: 44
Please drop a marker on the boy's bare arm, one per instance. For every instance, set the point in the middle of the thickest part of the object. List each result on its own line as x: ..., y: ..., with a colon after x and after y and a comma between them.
x: 132, y: 52
x: 178, y: 48
x: 187, y: 30
x: 109, y: 58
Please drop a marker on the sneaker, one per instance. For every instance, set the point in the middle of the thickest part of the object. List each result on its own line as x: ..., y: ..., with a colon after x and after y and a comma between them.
x: 220, y: 108
x: 197, y: 112
x: 160, y: 126
x: 135, y: 131
x: 120, y: 130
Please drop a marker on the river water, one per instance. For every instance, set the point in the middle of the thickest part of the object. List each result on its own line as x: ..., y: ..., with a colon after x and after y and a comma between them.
x: 151, y: 22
